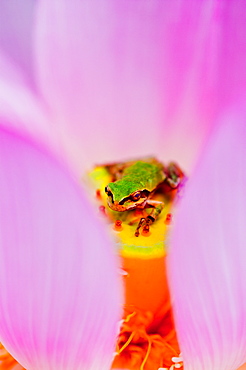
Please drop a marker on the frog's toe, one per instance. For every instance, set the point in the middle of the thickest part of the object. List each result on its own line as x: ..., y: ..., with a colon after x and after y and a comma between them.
x: 144, y: 223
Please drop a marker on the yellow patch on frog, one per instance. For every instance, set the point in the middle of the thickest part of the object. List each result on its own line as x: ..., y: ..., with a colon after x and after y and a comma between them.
x: 146, y: 246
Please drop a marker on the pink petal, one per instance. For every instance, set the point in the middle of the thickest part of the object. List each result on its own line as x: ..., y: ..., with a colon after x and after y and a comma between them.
x: 23, y: 109
x: 16, y: 33
x: 207, y: 261
x: 131, y: 78
x: 20, y: 106
x: 59, y: 296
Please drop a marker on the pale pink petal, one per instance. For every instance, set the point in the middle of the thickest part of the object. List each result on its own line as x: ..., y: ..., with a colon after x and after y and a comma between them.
x: 59, y: 296
x: 16, y: 33
x: 208, y: 254
x: 23, y: 109
x: 129, y: 78
x: 20, y: 105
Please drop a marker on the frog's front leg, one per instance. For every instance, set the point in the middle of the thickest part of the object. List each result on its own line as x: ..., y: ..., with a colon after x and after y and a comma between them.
x: 175, y: 175
x: 115, y: 170
x: 145, y: 222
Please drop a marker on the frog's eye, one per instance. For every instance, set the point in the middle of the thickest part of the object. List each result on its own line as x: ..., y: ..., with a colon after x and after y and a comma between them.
x: 136, y: 196
x: 107, y: 191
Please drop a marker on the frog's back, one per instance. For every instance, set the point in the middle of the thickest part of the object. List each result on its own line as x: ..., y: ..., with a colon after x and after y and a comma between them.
x: 137, y: 176
x: 147, y: 175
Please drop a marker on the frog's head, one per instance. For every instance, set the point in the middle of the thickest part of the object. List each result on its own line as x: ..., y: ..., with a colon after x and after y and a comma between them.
x: 124, y: 196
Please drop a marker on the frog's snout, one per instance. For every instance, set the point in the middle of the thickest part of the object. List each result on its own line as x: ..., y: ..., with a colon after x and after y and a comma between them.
x: 115, y: 206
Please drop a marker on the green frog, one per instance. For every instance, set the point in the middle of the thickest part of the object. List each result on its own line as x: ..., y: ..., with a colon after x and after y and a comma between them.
x: 134, y: 184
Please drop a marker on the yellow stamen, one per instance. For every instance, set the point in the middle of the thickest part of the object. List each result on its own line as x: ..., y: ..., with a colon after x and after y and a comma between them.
x: 147, y: 355
x: 127, y: 343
